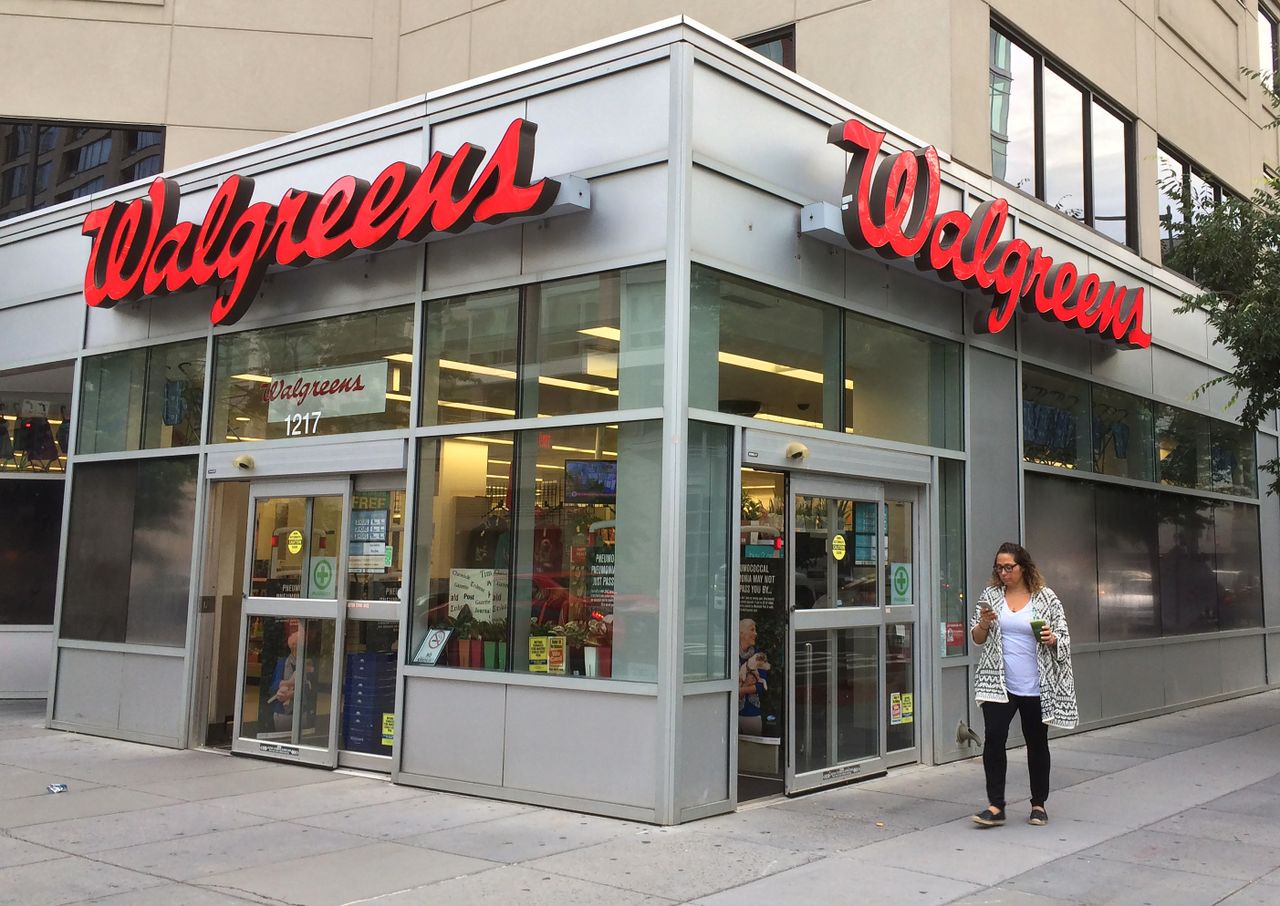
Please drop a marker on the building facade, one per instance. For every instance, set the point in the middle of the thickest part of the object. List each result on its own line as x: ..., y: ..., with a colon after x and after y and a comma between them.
x: 487, y: 494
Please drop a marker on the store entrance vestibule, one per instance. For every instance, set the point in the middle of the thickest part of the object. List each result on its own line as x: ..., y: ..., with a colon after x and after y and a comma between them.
x: 828, y: 670
x: 300, y: 662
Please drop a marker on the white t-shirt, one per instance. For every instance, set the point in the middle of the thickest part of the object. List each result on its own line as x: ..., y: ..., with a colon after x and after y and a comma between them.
x: 1018, y: 644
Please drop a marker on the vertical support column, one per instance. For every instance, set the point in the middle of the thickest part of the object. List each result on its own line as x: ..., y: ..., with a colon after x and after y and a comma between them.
x: 675, y: 412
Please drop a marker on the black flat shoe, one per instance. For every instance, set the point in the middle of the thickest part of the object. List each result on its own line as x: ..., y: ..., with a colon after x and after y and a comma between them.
x: 1039, y: 817
x: 988, y: 818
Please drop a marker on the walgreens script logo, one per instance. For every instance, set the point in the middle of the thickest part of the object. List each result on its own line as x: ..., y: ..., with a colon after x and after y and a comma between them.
x: 892, y: 208
x: 139, y: 248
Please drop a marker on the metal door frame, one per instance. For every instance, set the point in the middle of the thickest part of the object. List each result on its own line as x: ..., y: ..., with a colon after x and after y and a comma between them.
x: 301, y: 608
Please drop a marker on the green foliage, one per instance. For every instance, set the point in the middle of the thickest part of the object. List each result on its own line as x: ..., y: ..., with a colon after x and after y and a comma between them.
x: 1232, y: 251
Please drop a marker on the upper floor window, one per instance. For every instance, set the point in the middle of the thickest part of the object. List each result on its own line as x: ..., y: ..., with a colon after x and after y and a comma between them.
x: 778, y: 44
x: 1054, y: 138
x: 70, y: 161
x: 1184, y: 189
x: 1268, y: 45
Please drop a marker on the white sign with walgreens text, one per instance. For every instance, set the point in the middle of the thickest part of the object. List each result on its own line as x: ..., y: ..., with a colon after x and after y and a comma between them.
x: 330, y: 392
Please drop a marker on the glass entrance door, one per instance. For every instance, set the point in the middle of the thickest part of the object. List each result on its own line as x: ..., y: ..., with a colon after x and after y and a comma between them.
x: 292, y: 623
x: 852, y: 564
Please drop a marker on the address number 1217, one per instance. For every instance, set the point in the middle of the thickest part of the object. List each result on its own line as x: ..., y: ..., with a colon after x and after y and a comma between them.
x: 301, y: 423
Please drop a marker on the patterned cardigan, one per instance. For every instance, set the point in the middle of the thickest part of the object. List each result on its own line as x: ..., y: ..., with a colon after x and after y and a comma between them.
x: 1057, y: 683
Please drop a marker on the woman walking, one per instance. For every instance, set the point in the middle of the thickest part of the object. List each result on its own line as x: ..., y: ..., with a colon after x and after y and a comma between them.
x: 1024, y: 669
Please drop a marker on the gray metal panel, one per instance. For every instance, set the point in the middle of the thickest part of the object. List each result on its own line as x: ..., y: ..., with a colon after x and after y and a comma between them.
x: 454, y: 730
x: 1132, y: 679
x: 1054, y: 343
x: 309, y: 459
x: 619, y: 131
x: 994, y: 461
x: 978, y: 305
x: 1192, y: 671
x: 1131, y: 368
x: 41, y: 331
x: 925, y: 301
x: 151, y: 700
x: 1273, y: 659
x: 953, y: 705
x: 1090, y: 690
x: 25, y: 656
x: 89, y: 687
x: 475, y: 258
x: 1269, y: 519
x: 1244, y: 662
x: 704, y: 740
x: 590, y: 745
x: 735, y: 124
x: 131, y: 322
x: 834, y: 457
x: 42, y: 265
x: 1187, y: 332
x: 484, y: 128
x: 628, y: 219
x: 744, y: 228
x: 1177, y: 378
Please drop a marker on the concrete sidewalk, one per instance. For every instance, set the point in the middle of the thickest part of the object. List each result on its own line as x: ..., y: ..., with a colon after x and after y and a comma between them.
x: 1181, y: 809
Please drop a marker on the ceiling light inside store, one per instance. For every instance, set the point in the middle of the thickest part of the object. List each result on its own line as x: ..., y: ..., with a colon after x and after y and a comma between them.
x: 475, y: 439
x: 400, y: 357
x: 400, y: 397
x: 256, y: 378
x: 236, y: 437
x: 499, y: 462
x: 549, y: 466
x: 475, y: 407
x: 604, y: 333
x: 800, y: 374
x: 788, y: 421
x: 451, y: 365
x: 576, y: 385
x: 243, y: 418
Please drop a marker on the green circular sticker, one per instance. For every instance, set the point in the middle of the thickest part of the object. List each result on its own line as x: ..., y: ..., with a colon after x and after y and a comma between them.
x: 295, y: 541
x: 901, y: 581
x: 838, y: 547
x: 321, y: 577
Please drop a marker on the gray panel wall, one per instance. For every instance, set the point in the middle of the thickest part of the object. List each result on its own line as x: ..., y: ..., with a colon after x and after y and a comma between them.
x: 704, y: 761
x: 126, y: 695
x: 994, y: 461
x: 24, y: 665
x: 41, y: 331
x: 453, y: 730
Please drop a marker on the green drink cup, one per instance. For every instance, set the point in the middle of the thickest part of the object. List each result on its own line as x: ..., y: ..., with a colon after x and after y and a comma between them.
x: 1036, y: 626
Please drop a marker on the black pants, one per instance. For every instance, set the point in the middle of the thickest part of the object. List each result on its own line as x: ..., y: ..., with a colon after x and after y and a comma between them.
x: 995, y: 761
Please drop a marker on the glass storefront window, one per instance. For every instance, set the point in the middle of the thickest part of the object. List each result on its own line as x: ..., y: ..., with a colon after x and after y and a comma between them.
x: 376, y: 537
x: 30, y: 534
x: 1128, y: 563
x: 332, y: 376
x: 590, y: 344
x: 1183, y: 455
x: 1233, y: 459
x: 131, y: 529
x: 1056, y: 428
x: 707, y: 564
x: 35, y: 424
x: 902, y: 385
x: 758, y: 352
x: 1238, y: 567
x: 951, y: 566
x: 369, y: 686
x: 1188, y: 583
x: 296, y: 543
x: 1123, y: 434
x: 762, y: 603
x: 142, y: 399
x: 1061, y: 535
x: 543, y: 544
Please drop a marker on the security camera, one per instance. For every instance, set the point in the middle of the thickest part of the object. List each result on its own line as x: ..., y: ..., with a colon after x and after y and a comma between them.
x: 796, y: 452
x: 243, y: 462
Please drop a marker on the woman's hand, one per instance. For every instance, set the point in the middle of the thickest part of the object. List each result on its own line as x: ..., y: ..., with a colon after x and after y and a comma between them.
x: 1047, y: 637
x: 981, y: 629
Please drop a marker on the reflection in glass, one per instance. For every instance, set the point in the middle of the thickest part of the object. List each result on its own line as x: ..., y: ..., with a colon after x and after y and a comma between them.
x: 376, y: 537
x: 899, y: 536
x: 1267, y: 64
x: 1123, y: 434
x: 369, y: 686
x: 35, y: 427
x: 1188, y: 583
x: 1233, y: 459
x: 1110, y: 173
x: 1172, y: 192
x: 1061, y: 533
x: 1055, y: 419
x: 707, y: 553
x: 857, y: 702
x: 132, y: 526
x: 1063, y: 145
x: 1239, y: 565
x: 1013, y: 139
x: 761, y: 353
x: 901, y: 384
x: 1128, y: 564
x: 762, y: 607
x: 288, y: 690
x: 951, y: 561
x: 296, y: 543
x: 332, y: 376
x: 899, y: 686
x: 469, y: 372
x: 813, y: 656
x: 1183, y: 454
x: 149, y: 398
x: 30, y: 530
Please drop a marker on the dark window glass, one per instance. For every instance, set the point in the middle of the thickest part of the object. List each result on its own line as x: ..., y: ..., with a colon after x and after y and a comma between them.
x: 470, y: 373
x: 1182, y: 448
x: 1063, y: 146
x: 1128, y: 561
x: 706, y: 552
x: 148, y: 166
x: 1267, y: 33
x: 1188, y: 583
x: 1110, y: 173
x: 144, y: 138
x: 129, y: 549
x: 778, y: 45
x: 1239, y: 565
x: 14, y: 183
x: 1123, y: 434
x: 35, y: 428
x: 96, y: 184
x: 143, y: 399
x: 30, y: 535
x: 1061, y: 535
x: 331, y: 376
x: 1056, y: 428
x: 951, y: 575
x: 1013, y: 122
x: 1172, y: 175
x: 93, y: 155
x: 1233, y: 459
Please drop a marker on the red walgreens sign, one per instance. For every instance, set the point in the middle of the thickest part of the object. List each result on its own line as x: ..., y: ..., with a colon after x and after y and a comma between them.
x: 139, y: 248
x: 892, y: 208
